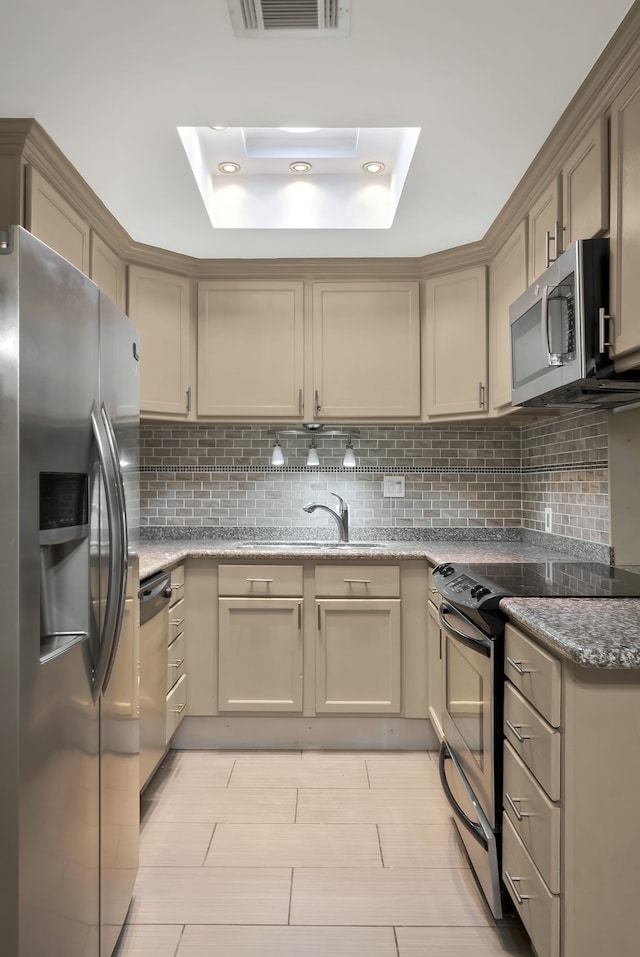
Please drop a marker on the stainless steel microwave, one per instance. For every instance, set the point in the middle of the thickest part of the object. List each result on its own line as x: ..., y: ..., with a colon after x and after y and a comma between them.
x: 559, y: 336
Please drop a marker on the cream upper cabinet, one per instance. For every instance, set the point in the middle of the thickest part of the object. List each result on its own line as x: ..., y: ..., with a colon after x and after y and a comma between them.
x: 585, y: 186
x: 107, y: 271
x: 624, y: 296
x: 508, y: 280
x: 53, y: 220
x: 455, y: 354
x: 545, y: 234
x: 160, y: 309
x: 250, y: 349
x: 366, y: 350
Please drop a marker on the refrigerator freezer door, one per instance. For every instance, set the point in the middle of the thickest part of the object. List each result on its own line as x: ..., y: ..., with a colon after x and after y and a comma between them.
x: 58, y: 796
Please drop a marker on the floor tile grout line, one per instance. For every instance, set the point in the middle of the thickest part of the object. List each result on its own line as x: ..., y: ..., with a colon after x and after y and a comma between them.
x: 175, y: 953
x: 206, y: 853
x: 395, y: 937
x: 380, y: 844
x: 295, y: 811
x: 290, y: 899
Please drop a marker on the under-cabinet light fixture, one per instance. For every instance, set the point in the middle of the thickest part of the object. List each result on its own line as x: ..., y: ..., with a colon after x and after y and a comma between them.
x: 277, y: 455
x: 349, y: 460
x: 312, y: 454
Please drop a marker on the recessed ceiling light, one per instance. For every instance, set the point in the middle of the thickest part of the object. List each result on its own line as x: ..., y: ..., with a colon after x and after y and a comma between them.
x: 373, y: 167
x: 228, y: 167
x: 300, y: 167
x: 219, y: 129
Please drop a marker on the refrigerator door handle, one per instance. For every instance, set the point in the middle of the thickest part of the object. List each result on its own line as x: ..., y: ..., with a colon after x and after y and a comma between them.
x: 122, y: 539
x: 108, y: 636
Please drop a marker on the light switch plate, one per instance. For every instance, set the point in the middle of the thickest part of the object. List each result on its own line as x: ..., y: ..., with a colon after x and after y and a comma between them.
x: 393, y: 486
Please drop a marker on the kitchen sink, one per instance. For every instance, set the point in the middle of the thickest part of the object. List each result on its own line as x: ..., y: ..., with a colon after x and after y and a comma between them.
x: 319, y: 545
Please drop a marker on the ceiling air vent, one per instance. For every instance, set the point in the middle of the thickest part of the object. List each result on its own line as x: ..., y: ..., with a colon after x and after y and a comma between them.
x: 290, y: 18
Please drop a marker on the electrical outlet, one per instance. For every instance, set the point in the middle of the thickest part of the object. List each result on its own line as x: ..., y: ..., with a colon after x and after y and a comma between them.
x: 548, y: 519
x: 393, y: 486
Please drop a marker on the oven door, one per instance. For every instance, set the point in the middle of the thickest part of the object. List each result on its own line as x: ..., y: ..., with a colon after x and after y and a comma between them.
x: 468, y: 754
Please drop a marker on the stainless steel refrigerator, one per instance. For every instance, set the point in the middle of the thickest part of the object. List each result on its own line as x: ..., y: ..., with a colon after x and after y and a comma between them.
x: 69, y: 730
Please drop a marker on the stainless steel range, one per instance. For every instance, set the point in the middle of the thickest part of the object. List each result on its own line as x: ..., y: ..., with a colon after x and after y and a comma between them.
x: 473, y: 674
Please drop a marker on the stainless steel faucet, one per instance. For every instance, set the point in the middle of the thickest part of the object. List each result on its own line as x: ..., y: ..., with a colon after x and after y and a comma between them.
x: 341, y: 516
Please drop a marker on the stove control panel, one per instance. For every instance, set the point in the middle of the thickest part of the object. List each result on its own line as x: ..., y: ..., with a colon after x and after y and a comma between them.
x: 461, y: 588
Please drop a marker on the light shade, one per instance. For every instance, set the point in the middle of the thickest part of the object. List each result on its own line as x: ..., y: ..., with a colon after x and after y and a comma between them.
x: 277, y: 455
x: 349, y: 460
x: 312, y: 455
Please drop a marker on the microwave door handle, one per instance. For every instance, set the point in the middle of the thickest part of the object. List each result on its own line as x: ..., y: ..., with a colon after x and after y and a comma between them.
x: 482, y: 644
x: 544, y: 318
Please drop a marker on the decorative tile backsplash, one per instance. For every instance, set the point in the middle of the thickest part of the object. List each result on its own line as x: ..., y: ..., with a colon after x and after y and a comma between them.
x: 456, y: 476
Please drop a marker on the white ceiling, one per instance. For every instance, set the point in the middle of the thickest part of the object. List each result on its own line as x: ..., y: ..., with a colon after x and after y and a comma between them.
x: 111, y: 80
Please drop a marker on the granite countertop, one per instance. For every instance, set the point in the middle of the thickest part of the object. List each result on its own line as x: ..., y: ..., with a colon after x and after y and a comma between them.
x: 593, y: 632
x: 156, y: 556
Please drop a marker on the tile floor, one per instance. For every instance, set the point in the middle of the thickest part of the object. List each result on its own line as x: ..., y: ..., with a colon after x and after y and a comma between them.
x: 305, y: 854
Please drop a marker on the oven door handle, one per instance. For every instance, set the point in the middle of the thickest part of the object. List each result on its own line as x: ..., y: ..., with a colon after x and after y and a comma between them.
x: 482, y: 644
x: 481, y: 830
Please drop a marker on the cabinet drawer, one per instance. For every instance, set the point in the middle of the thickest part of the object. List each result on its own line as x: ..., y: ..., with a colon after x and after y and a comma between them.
x: 176, y: 661
x: 358, y: 581
x: 537, y: 743
x: 434, y: 594
x: 538, y: 908
x: 535, y: 673
x: 534, y: 817
x: 176, y: 619
x: 176, y: 705
x: 260, y: 581
x: 177, y: 584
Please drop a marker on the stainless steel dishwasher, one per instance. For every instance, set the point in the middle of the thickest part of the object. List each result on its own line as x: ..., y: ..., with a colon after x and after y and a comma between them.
x: 154, y: 595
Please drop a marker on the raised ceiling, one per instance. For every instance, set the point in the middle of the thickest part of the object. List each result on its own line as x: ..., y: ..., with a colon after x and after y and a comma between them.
x: 112, y: 81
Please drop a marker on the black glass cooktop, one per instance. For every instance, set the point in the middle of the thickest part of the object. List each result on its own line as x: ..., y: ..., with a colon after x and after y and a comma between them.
x: 558, y: 579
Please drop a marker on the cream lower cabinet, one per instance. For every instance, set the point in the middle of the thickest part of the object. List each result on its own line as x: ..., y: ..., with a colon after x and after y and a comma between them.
x: 571, y: 830
x: 260, y: 654
x: 366, y: 350
x: 176, y: 654
x: 434, y: 669
x: 358, y: 656
x: 455, y: 354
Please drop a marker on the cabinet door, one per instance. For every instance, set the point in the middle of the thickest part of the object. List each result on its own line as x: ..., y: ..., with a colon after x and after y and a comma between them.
x: 366, y: 350
x: 434, y: 665
x: 625, y: 225
x: 585, y: 186
x: 508, y: 281
x: 107, y: 271
x: 260, y: 654
x: 455, y: 366
x: 159, y: 307
x: 358, y: 656
x: 544, y: 221
x: 250, y: 349
x: 55, y: 222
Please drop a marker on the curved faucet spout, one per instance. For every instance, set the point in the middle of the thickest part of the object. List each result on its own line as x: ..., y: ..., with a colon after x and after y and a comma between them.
x: 341, y: 518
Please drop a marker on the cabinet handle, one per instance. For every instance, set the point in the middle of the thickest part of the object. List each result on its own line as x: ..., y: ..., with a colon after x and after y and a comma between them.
x: 176, y: 664
x: 517, y: 666
x: 262, y: 580
x: 180, y: 708
x: 176, y: 587
x: 189, y: 399
x: 357, y: 581
x: 299, y: 616
x: 547, y: 254
x: 481, y: 395
x: 319, y: 625
x: 555, y: 239
x: 177, y: 621
x: 604, y: 342
x: 316, y: 406
x: 511, y: 881
x: 515, y: 729
x: 516, y: 810
x: 300, y: 403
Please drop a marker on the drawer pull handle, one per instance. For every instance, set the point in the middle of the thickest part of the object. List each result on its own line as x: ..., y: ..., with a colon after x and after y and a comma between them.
x: 177, y: 621
x: 357, y: 581
x: 517, y: 666
x: 180, y: 708
x: 511, y: 881
x: 515, y: 728
x: 264, y: 581
x: 516, y: 810
x: 176, y: 664
x: 176, y: 587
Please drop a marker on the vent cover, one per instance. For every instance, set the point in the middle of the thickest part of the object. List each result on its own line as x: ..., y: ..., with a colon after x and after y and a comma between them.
x: 277, y: 19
